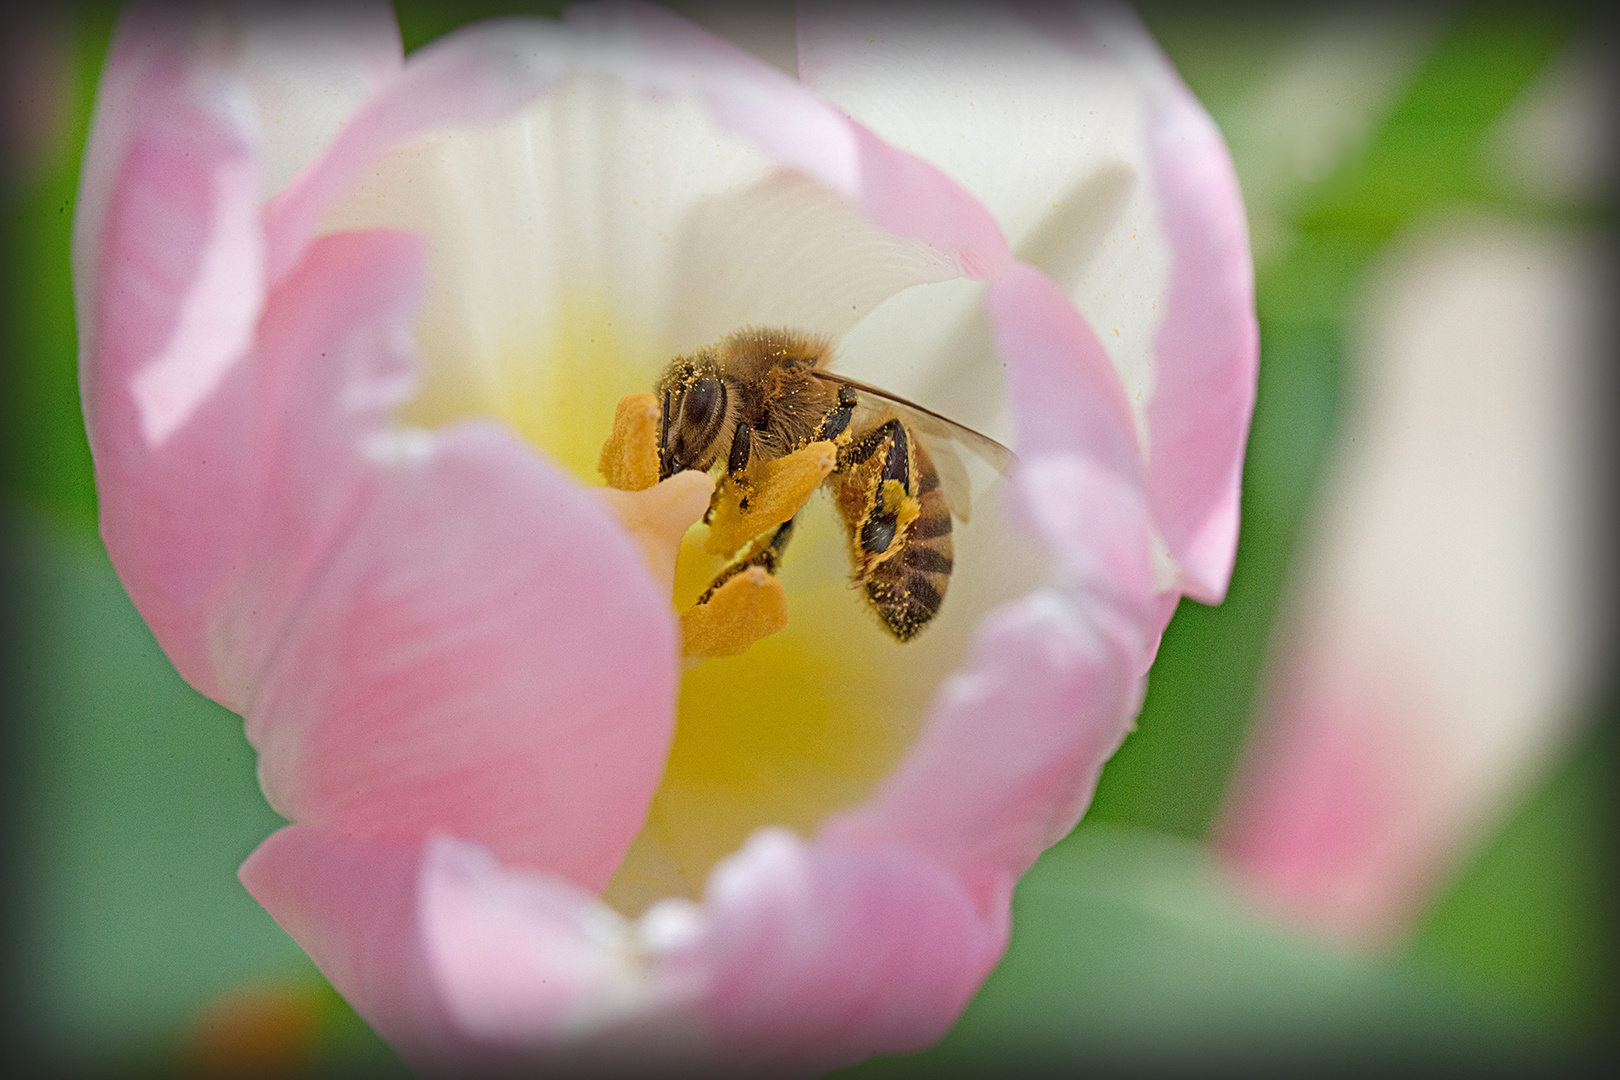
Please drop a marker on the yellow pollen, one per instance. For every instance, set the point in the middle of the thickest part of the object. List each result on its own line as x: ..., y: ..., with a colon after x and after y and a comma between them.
x: 749, y: 606
x: 751, y: 603
x: 892, y: 498
x: 629, y: 460
x: 656, y: 514
x: 773, y: 492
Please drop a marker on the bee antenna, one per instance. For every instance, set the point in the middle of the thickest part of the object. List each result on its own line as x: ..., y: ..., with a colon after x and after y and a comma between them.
x: 664, y: 464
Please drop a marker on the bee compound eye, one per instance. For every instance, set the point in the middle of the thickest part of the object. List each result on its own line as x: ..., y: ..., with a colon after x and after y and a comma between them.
x: 701, y: 404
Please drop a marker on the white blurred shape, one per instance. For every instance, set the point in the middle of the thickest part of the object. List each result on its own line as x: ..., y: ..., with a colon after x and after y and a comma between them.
x: 1438, y: 645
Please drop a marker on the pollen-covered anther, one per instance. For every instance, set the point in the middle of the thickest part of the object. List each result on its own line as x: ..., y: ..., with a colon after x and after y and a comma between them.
x: 748, y: 606
x: 657, y: 514
x: 629, y: 460
x: 774, y: 493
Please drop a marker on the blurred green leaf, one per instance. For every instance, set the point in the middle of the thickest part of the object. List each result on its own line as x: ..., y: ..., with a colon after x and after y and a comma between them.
x: 1133, y: 949
x: 420, y: 21
x: 1429, y: 152
x: 1532, y: 921
x: 43, y: 453
x: 138, y: 801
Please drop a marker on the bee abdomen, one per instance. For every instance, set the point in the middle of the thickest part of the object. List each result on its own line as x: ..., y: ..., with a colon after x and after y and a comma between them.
x: 926, y: 560
x: 908, y: 588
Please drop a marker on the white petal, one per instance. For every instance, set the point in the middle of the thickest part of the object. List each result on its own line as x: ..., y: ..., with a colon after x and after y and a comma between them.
x: 1049, y: 139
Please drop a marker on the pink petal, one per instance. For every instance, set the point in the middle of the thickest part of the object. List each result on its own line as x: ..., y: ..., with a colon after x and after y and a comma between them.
x: 1107, y: 174
x: 801, y: 958
x: 433, y: 631
x: 168, y: 282
x: 381, y: 605
x: 1068, y: 397
x: 824, y: 954
x: 1208, y: 348
x: 309, y: 67
x: 297, y: 73
x: 1013, y: 748
x: 1011, y: 753
x: 910, y: 197
x: 1079, y: 471
x: 1050, y: 143
x: 1444, y: 637
x: 300, y: 564
x: 460, y: 963
x: 468, y: 78
x: 525, y: 959
x: 353, y: 908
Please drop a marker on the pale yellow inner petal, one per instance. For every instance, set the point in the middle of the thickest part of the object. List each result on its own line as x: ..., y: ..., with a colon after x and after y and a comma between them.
x: 558, y: 388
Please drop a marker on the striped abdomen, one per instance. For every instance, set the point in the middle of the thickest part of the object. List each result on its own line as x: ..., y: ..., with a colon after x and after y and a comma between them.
x: 903, y: 562
x: 908, y: 587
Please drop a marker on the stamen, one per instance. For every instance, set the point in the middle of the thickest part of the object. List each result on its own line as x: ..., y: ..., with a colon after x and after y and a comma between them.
x: 774, y: 492
x: 751, y: 603
x: 749, y: 606
x: 656, y: 514
x: 629, y: 460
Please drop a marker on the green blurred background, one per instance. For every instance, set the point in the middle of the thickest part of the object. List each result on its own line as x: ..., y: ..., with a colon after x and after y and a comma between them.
x: 131, y: 800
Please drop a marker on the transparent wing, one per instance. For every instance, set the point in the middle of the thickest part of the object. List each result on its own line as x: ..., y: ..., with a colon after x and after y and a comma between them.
x: 941, y: 436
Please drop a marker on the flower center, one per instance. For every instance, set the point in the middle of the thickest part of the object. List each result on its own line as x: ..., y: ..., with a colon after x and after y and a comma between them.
x: 807, y: 720
x: 783, y: 719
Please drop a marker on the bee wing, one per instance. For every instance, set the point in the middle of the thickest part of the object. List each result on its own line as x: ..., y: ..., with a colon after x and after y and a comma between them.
x: 940, y: 434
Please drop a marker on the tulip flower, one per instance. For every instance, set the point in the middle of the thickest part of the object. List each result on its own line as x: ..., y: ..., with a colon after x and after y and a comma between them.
x: 354, y: 330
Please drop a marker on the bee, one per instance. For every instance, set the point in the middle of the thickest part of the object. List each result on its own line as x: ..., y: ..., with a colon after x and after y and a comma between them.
x: 760, y: 394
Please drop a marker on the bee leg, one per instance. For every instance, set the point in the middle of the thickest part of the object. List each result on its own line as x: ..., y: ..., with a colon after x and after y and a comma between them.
x: 742, y: 450
x: 882, y: 523
x: 767, y: 556
x: 771, y: 555
x: 838, y: 420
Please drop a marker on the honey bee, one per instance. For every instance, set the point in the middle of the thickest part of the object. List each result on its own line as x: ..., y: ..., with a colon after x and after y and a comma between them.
x: 761, y: 394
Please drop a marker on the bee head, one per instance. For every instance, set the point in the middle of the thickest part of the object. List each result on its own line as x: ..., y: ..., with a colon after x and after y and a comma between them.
x: 694, y: 402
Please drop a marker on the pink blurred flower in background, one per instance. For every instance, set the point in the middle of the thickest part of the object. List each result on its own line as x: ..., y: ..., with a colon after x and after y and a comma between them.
x: 1441, y: 644
x: 346, y: 323
x: 1444, y: 636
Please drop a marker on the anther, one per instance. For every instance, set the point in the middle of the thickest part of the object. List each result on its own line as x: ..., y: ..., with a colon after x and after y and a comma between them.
x: 630, y: 459
x: 779, y: 489
x: 749, y: 606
